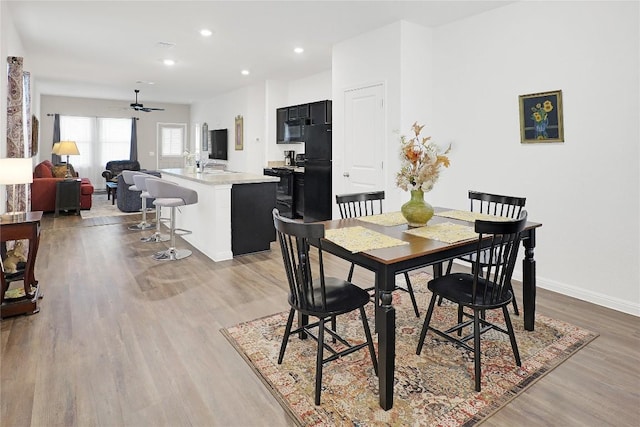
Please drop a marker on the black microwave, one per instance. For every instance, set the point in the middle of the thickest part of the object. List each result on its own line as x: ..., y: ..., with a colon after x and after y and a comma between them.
x: 294, y: 129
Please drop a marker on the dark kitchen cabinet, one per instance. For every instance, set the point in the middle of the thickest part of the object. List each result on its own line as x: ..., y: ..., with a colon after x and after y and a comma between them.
x: 298, y: 112
x: 281, y: 117
x: 303, y: 111
x: 251, y: 217
x: 316, y: 112
x: 299, y: 194
x: 320, y: 112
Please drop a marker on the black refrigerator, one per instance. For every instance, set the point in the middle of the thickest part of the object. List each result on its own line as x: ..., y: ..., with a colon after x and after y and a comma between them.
x: 317, y: 173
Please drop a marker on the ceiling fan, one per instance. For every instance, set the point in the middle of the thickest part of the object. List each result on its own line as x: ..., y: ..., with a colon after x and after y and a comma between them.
x: 139, y: 107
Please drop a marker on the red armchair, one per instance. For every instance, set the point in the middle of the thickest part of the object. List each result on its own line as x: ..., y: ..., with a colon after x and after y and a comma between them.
x: 43, y: 189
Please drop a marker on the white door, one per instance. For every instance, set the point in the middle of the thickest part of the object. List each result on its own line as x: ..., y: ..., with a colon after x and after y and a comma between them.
x: 364, y: 139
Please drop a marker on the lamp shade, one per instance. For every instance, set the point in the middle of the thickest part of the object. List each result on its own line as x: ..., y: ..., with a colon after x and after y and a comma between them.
x: 16, y: 171
x: 55, y: 148
x: 67, y: 148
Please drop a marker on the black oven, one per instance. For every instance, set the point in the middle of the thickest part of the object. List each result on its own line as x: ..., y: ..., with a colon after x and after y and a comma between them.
x: 284, y: 191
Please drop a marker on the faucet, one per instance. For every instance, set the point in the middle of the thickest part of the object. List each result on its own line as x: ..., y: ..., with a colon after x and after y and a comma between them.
x: 203, y: 162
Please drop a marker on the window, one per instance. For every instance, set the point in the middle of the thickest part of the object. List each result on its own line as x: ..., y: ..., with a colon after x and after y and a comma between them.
x: 171, y: 139
x: 99, y: 139
x: 81, y: 130
x: 114, y: 138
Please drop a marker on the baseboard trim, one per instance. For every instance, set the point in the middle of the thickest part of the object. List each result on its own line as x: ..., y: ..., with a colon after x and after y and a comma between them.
x: 585, y: 295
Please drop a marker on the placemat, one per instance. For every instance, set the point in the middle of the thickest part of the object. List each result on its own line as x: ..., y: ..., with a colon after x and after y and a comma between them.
x: 361, y: 239
x: 471, y: 216
x: 388, y: 219
x: 447, y: 232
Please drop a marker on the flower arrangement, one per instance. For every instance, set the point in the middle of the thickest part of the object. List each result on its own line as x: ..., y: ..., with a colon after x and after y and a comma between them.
x: 539, y: 114
x: 421, y: 161
x: 189, y: 158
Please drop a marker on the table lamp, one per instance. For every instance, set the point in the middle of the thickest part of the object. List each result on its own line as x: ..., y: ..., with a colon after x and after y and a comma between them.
x: 15, y: 171
x: 67, y: 148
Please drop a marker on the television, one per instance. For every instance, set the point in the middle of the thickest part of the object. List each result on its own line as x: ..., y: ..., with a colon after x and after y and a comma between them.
x: 218, y: 144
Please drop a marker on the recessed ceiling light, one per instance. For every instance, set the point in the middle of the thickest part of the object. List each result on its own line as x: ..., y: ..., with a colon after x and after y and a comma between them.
x: 298, y: 50
x: 144, y: 82
x: 205, y: 32
x: 169, y: 62
x: 244, y: 72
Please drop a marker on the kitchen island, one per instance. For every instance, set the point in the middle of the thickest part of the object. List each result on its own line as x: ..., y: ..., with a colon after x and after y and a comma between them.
x: 233, y: 213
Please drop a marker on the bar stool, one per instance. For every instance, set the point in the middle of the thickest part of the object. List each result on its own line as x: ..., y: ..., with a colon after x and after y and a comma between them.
x: 169, y: 194
x: 128, y: 175
x: 140, y: 182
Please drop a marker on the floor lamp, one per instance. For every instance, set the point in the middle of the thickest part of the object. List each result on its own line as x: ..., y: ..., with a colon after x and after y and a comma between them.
x: 15, y: 171
x: 67, y: 148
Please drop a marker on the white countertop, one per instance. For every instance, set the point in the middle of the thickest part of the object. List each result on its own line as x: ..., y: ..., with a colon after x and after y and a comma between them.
x: 220, y: 177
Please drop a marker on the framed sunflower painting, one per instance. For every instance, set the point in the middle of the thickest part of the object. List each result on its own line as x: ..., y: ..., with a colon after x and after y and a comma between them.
x: 541, y: 117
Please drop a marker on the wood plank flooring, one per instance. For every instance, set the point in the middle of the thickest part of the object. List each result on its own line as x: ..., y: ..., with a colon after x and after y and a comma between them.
x: 123, y: 340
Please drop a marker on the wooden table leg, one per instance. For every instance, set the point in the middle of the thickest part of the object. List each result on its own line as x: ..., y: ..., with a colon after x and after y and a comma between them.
x: 386, y: 326
x: 529, y: 281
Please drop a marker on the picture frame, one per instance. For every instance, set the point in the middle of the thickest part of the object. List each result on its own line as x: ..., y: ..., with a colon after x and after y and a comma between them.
x: 35, y: 129
x: 541, y: 118
x: 239, y: 133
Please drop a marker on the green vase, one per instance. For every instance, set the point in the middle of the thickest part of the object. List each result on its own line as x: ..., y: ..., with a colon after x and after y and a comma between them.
x: 416, y: 211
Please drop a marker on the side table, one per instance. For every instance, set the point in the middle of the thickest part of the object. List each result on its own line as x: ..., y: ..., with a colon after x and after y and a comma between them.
x: 27, y: 227
x: 68, y: 196
x: 112, y: 191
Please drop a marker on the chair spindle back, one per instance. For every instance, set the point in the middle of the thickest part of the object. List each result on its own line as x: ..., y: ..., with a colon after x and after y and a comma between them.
x: 304, y: 268
x: 360, y: 204
x: 499, y: 260
x: 496, y: 204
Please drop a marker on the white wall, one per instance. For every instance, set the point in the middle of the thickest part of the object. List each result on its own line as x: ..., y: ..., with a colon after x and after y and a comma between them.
x: 146, y: 126
x: 416, y: 91
x: 220, y: 113
x: 258, y: 106
x: 584, y: 191
x: 316, y: 87
x: 370, y: 58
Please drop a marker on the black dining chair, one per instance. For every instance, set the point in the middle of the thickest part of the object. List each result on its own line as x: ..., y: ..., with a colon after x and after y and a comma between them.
x: 500, y: 241
x: 311, y: 293
x: 364, y: 204
x: 497, y: 205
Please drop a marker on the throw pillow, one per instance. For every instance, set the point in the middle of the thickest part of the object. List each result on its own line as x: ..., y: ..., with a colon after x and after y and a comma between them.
x: 60, y: 171
x: 43, y: 170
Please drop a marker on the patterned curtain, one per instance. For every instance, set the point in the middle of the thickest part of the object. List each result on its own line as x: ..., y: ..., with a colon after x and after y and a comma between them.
x: 133, y: 150
x: 15, y: 127
x: 55, y: 159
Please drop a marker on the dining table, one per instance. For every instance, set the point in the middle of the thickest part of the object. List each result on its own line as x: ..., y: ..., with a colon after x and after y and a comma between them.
x: 386, y: 245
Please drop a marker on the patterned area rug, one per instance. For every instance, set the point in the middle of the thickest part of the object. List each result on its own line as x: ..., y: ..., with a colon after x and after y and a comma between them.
x: 101, y: 207
x: 435, y: 388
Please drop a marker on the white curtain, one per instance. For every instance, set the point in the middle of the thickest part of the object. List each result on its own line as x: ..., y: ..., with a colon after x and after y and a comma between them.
x: 99, y: 140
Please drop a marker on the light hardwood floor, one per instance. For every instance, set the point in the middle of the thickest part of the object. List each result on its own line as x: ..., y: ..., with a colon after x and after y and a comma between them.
x: 122, y: 340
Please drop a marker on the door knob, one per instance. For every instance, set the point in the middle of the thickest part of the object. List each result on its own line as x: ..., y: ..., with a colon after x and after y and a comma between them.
x: 345, y: 174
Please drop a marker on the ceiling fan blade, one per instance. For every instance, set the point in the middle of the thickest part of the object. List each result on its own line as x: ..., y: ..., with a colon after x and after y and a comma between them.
x: 139, y: 107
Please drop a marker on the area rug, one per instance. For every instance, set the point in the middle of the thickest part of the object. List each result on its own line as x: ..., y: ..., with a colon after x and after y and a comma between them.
x: 433, y: 389
x: 101, y: 207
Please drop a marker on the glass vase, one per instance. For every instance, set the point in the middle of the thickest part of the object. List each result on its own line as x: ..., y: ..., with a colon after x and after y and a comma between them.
x: 416, y: 211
